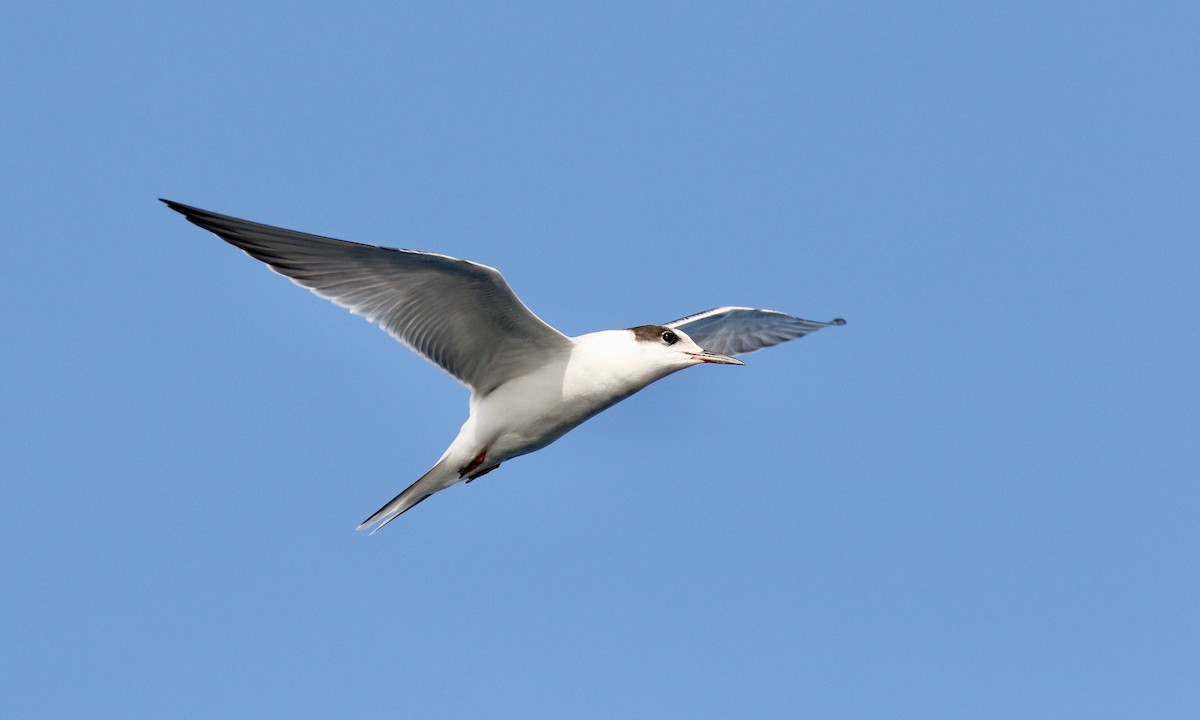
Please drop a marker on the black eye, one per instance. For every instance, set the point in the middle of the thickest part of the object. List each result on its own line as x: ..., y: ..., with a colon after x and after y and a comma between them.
x: 669, y: 337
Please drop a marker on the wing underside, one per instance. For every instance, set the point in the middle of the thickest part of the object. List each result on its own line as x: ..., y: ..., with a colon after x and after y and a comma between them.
x: 460, y: 315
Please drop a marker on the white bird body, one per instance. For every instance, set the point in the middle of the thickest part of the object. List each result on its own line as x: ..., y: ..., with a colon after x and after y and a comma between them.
x: 529, y: 383
x: 532, y: 411
x: 529, y: 412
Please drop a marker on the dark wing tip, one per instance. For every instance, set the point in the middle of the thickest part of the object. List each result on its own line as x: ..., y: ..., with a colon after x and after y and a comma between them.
x: 837, y: 321
x: 189, y: 212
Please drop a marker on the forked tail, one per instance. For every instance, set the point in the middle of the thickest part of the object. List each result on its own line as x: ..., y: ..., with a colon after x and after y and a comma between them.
x: 438, y: 478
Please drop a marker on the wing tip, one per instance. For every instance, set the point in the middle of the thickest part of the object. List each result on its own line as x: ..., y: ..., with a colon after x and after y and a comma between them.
x: 837, y: 321
x: 189, y: 212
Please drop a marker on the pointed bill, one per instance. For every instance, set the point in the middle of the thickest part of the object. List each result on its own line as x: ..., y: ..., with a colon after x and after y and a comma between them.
x: 717, y: 358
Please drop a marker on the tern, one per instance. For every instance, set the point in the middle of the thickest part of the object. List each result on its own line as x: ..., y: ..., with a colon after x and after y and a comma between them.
x: 529, y: 383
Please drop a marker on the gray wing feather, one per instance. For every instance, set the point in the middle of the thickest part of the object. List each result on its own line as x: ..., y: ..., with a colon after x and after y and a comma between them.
x: 739, y: 330
x: 460, y: 315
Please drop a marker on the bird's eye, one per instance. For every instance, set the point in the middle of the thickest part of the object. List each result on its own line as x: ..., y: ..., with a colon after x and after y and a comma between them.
x: 669, y: 337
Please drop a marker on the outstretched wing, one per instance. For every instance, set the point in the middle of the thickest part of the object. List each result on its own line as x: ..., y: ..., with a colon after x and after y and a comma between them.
x: 459, y: 315
x: 739, y: 330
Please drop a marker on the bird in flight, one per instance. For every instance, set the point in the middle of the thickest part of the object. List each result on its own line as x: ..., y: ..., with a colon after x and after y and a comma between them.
x: 529, y: 383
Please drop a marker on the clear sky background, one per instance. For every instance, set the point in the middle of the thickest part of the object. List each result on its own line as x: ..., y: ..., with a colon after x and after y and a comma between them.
x: 978, y: 499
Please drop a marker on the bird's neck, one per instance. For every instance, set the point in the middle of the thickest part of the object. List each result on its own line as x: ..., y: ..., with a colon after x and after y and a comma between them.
x: 609, y: 364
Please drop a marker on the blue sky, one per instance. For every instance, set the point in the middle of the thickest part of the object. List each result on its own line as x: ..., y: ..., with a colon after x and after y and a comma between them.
x: 976, y: 500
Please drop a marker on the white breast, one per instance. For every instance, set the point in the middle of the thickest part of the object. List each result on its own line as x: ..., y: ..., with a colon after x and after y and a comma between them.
x: 530, y: 412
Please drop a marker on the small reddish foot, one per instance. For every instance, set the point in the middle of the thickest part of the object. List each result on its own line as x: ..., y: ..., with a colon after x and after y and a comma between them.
x: 466, y: 470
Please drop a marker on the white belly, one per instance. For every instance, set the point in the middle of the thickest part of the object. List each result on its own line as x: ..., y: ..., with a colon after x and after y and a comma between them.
x: 530, y: 412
